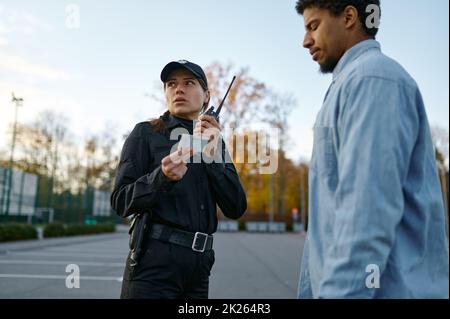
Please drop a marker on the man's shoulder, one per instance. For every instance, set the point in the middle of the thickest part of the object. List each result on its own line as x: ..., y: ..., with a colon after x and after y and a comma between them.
x: 377, y: 65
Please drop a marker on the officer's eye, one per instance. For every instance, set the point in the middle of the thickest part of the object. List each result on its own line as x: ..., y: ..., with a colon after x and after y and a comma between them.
x: 170, y: 84
x: 190, y: 82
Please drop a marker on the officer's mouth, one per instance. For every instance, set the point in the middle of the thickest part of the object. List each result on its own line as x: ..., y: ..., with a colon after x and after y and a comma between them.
x: 179, y: 100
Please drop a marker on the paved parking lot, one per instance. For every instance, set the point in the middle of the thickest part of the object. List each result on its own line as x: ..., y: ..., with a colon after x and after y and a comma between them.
x: 247, y: 266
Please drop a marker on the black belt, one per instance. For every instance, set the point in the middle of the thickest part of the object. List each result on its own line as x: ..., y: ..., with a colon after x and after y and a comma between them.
x: 198, y: 242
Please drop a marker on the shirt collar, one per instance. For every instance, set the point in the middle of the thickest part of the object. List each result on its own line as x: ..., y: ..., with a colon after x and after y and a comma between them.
x: 353, y: 53
x: 174, y: 121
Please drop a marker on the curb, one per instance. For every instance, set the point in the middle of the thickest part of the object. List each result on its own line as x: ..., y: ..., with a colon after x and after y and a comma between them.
x: 52, y: 242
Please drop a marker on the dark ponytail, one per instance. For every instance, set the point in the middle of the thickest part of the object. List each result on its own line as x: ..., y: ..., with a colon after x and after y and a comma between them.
x: 159, y: 124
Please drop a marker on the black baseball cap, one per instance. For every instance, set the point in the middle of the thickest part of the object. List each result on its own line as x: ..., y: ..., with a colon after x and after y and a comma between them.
x: 184, y: 64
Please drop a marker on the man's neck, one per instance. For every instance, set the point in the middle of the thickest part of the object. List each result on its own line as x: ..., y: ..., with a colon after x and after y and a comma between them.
x: 355, y: 40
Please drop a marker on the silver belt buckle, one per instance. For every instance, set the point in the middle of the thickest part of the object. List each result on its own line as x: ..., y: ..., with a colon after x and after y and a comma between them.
x: 197, y: 234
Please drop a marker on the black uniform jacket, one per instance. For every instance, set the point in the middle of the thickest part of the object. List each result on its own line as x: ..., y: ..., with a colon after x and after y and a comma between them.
x: 189, y: 204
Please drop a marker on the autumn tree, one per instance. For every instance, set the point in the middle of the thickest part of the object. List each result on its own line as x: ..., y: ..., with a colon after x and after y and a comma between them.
x: 244, y: 103
x: 100, y: 159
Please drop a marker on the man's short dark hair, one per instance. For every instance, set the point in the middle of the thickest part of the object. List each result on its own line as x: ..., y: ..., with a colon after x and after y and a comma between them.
x: 336, y: 7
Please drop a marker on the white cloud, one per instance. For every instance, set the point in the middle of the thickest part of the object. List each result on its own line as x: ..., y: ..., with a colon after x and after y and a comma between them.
x: 3, y: 40
x: 21, y: 65
x: 17, y: 24
x: 35, y: 23
x: 14, y: 24
x: 36, y: 100
x: 21, y: 22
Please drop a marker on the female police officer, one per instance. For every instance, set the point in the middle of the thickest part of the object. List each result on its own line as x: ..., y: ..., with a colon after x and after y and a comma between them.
x: 179, y: 198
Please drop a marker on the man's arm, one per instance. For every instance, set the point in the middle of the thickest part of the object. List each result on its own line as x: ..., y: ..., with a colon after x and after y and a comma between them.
x: 377, y: 130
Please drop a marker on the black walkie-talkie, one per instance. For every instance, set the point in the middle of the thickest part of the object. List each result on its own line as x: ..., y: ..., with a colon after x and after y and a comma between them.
x: 211, y: 111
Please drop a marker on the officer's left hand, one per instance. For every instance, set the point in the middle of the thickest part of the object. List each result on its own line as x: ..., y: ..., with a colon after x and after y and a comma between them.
x: 209, y: 127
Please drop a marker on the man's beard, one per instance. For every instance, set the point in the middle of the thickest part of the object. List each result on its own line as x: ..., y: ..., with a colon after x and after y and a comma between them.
x: 329, y: 65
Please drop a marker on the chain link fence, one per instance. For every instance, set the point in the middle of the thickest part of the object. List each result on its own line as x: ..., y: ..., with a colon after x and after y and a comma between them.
x: 26, y: 197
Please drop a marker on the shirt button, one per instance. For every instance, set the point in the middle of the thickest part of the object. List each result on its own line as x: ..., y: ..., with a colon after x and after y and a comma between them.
x: 202, y: 207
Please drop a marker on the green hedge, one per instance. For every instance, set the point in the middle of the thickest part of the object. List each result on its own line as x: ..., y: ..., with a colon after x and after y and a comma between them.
x: 60, y: 230
x: 54, y: 230
x: 14, y: 231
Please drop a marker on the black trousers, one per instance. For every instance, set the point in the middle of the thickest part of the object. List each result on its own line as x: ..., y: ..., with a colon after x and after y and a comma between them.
x: 168, y: 271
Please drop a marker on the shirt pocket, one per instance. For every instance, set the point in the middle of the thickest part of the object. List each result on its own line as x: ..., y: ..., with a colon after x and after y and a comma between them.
x: 323, y: 160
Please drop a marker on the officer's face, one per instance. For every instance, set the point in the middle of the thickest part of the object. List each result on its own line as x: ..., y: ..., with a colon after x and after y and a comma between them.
x: 184, y: 94
x: 325, y: 37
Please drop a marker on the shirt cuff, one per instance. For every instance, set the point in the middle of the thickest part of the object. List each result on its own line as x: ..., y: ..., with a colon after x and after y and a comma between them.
x: 164, y: 184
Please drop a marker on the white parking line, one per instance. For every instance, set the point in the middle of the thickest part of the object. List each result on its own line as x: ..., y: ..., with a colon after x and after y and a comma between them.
x: 41, y: 262
x: 22, y: 276
x: 90, y: 250
x: 50, y: 254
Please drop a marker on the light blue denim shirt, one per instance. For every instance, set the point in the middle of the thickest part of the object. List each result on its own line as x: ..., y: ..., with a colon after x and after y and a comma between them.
x: 375, y: 201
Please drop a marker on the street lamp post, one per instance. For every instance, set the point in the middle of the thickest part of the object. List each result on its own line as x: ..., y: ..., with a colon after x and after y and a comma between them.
x: 18, y: 103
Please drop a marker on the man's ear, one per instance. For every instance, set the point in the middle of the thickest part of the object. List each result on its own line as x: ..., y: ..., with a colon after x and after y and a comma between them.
x: 351, y: 17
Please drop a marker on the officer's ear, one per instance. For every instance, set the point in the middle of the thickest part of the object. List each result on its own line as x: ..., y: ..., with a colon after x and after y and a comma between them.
x: 207, y: 99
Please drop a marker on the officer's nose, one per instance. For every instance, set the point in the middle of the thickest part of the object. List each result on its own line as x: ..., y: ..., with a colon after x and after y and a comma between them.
x: 179, y: 88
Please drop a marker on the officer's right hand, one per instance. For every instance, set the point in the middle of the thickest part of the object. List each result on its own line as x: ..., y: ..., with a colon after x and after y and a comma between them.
x: 174, y: 166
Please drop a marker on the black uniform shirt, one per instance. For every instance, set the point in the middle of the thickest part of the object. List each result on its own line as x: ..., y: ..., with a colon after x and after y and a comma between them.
x: 189, y: 204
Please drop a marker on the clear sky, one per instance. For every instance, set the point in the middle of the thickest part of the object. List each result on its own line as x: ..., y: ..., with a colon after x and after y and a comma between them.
x: 101, y: 72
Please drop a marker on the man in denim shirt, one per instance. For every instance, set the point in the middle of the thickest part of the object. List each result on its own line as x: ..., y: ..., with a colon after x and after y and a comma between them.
x: 376, y: 216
